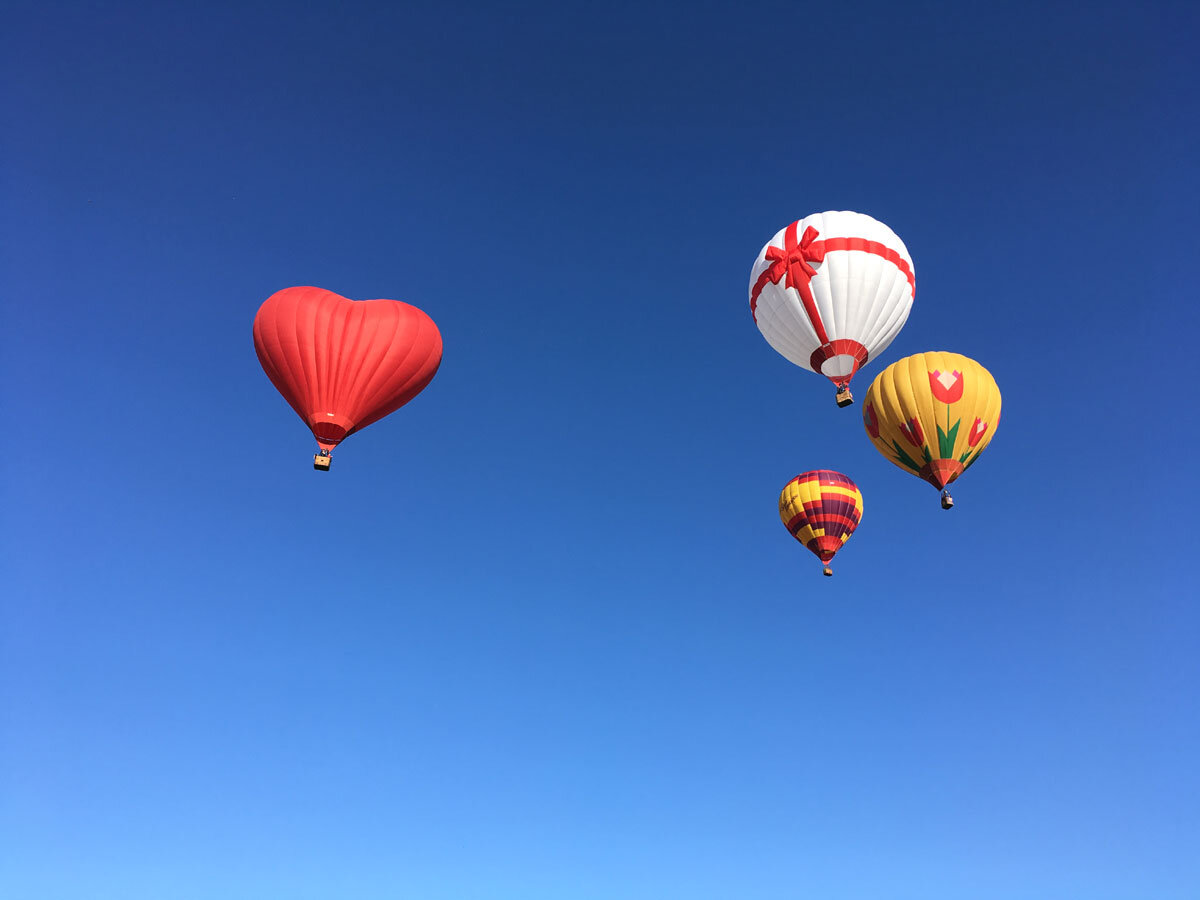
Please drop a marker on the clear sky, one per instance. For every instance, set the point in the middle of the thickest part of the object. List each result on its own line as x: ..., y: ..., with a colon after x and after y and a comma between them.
x: 541, y: 635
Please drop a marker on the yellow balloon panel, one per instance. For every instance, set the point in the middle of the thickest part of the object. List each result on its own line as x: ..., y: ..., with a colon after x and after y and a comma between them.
x: 932, y: 414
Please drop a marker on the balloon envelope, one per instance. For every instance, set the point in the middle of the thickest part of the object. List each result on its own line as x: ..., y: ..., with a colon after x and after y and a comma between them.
x: 821, y: 509
x: 932, y: 414
x: 831, y: 291
x: 342, y: 364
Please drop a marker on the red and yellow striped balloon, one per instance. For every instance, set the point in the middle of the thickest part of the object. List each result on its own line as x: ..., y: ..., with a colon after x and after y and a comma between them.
x: 821, y: 509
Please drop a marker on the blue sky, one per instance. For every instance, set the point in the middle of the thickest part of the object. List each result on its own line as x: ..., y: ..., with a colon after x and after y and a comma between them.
x: 541, y: 633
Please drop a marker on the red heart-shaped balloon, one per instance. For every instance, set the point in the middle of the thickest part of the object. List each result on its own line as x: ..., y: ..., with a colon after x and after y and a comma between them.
x: 342, y: 364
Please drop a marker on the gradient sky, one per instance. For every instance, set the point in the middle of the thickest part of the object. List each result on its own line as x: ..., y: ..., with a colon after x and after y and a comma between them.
x: 541, y: 634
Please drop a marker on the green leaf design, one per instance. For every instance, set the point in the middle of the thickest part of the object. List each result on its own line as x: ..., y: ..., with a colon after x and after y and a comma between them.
x: 946, y: 441
x: 925, y: 453
x: 904, y: 459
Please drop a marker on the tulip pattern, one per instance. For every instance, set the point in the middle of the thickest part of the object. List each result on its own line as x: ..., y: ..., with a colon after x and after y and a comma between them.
x: 870, y: 420
x: 978, y: 430
x: 933, y: 414
x: 946, y: 387
x: 912, y: 432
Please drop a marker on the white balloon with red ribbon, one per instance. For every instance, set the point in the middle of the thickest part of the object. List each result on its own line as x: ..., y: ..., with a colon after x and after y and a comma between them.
x: 831, y: 291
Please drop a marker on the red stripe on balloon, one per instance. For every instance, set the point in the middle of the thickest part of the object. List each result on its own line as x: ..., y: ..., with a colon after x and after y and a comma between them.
x: 855, y: 243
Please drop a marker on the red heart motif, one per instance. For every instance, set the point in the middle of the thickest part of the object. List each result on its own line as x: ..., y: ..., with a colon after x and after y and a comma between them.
x: 342, y: 364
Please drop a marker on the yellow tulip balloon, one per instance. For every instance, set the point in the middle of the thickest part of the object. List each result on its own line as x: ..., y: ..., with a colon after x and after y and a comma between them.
x: 932, y: 414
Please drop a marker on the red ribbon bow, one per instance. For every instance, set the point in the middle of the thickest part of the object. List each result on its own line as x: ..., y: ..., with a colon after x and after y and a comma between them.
x: 792, y: 260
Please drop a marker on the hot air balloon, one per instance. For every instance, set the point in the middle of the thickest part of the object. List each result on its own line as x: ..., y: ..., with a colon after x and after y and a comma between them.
x: 831, y: 291
x: 932, y: 414
x: 821, y: 509
x: 342, y: 364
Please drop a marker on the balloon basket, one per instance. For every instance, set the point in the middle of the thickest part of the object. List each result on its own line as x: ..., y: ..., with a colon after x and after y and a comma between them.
x: 844, y: 397
x: 322, y: 460
x: 827, y: 571
x: 947, y: 500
